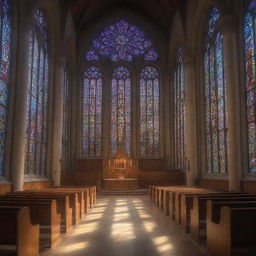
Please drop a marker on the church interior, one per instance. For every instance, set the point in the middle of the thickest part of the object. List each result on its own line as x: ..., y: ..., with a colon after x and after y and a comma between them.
x: 128, y: 127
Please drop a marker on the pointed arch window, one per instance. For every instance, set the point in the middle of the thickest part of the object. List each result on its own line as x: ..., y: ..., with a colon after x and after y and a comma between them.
x: 92, y: 113
x: 179, y: 112
x: 149, y: 113
x: 5, y: 52
x: 250, y: 86
x: 66, y: 120
x: 123, y: 43
x: 37, y: 98
x: 120, y: 110
x: 215, y: 98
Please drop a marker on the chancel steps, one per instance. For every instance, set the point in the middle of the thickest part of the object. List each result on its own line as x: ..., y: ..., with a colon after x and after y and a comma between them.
x: 123, y: 192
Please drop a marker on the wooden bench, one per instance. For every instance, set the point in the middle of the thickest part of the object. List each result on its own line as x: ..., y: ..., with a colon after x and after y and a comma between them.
x: 234, y: 228
x: 179, y: 194
x: 73, y: 200
x: 187, y: 205
x: 159, y: 193
x: 63, y: 206
x: 42, y: 212
x: 80, y: 209
x: 17, y: 230
x: 151, y: 191
x: 88, y: 192
x: 198, y: 212
x: 160, y: 196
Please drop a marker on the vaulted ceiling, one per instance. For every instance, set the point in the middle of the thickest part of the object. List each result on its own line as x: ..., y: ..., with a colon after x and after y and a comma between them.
x: 160, y: 12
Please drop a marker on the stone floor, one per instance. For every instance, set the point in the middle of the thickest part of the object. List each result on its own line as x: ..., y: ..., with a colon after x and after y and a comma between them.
x: 126, y: 226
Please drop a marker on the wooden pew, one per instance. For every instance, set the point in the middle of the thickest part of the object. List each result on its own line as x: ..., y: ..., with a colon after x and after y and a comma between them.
x: 17, y: 230
x: 89, y: 194
x: 166, y: 202
x: 198, y: 212
x: 234, y: 229
x: 163, y: 197
x: 153, y: 188
x: 73, y: 200
x: 63, y: 206
x: 80, y: 198
x: 42, y: 212
x: 156, y: 196
x: 93, y: 195
x: 150, y: 191
x: 169, y: 198
x: 177, y: 199
x: 187, y: 204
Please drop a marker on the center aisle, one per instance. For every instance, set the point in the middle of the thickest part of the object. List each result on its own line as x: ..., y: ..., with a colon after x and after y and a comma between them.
x: 126, y: 226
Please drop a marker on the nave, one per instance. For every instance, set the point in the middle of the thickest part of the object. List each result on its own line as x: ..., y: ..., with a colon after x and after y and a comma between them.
x: 127, y: 226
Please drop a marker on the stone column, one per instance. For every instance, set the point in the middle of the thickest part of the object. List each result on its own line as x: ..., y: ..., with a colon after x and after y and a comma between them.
x: 57, y: 121
x: 228, y: 29
x: 191, y: 122
x: 19, y: 123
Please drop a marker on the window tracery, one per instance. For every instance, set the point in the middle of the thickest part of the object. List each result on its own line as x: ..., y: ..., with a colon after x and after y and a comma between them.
x: 249, y: 48
x: 92, y: 113
x: 121, y: 110
x: 122, y: 41
x: 179, y: 112
x: 37, y: 99
x: 215, y: 98
x: 149, y: 112
x: 5, y: 51
x: 66, y: 120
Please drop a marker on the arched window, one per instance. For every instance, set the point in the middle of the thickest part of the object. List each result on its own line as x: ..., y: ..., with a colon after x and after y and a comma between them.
x: 179, y: 112
x: 250, y: 53
x: 123, y: 43
x: 92, y: 113
x: 37, y: 99
x: 149, y: 113
x: 66, y: 120
x: 215, y: 98
x: 5, y: 43
x: 120, y: 109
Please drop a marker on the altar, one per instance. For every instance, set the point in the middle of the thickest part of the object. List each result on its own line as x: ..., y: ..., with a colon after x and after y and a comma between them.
x: 120, y: 171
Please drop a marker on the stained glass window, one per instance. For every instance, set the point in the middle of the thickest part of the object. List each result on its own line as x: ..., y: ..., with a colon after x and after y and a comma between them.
x: 250, y: 53
x: 37, y: 99
x: 92, y: 113
x: 5, y: 42
x: 215, y: 98
x: 122, y: 41
x: 149, y: 145
x: 66, y: 121
x: 120, y: 110
x: 179, y: 112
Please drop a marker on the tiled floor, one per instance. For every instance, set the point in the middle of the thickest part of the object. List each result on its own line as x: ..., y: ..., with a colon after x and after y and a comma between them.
x: 126, y: 226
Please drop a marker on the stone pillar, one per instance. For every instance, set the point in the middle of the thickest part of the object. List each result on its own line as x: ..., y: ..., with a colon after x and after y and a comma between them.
x: 191, y: 122
x: 19, y: 123
x: 57, y: 121
x: 228, y: 28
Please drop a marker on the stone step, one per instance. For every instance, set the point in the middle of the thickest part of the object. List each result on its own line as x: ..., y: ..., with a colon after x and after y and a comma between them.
x: 124, y: 192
